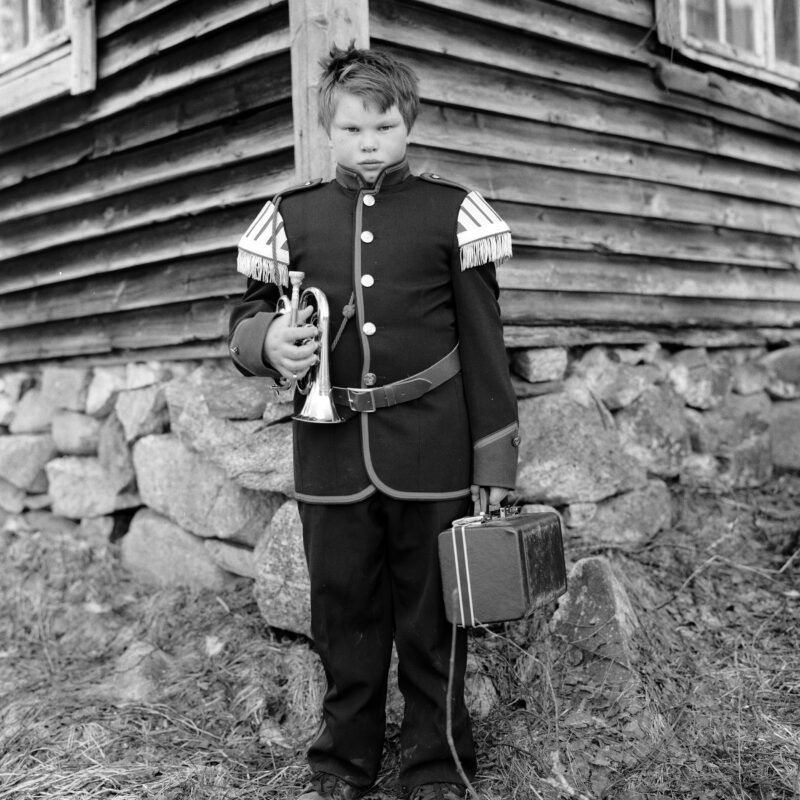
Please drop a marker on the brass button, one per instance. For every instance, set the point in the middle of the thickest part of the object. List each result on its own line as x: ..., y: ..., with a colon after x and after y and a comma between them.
x: 235, y: 350
x: 515, y: 442
x: 369, y: 328
x: 369, y: 199
x: 367, y: 280
x: 370, y: 379
x: 367, y: 236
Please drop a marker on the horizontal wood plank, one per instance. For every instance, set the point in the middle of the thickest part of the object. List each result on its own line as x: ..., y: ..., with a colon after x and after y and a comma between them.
x: 237, y: 184
x: 115, y: 15
x: 235, y: 93
x: 211, y: 148
x: 636, y: 12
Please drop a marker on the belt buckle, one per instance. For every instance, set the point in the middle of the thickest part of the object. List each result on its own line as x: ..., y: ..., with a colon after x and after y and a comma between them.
x: 355, y: 396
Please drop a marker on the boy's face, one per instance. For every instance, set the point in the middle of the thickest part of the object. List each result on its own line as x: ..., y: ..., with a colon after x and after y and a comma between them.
x: 364, y: 139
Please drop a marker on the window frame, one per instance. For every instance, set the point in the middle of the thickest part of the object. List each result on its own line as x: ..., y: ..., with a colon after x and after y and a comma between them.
x: 60, y: 62
x: 671, y: 22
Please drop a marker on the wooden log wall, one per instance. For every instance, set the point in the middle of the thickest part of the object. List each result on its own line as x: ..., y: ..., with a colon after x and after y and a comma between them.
x: 649, y: 199
x: 120, y: 208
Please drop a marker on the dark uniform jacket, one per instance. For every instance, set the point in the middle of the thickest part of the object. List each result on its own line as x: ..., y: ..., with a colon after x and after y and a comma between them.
x: 416, y: 254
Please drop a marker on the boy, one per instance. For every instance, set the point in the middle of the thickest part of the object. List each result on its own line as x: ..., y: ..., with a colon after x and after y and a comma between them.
x: 429, y: 417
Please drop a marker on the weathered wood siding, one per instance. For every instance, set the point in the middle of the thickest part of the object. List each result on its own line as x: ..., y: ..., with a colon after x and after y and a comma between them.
x: 120, y: 209
x: 648, y: 200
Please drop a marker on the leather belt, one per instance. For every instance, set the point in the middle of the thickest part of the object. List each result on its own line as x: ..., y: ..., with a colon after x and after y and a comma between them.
x: 366, y: 400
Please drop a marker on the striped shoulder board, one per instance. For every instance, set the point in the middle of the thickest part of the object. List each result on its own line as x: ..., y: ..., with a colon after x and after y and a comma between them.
x: 263, y: 249
x: 483, y: 235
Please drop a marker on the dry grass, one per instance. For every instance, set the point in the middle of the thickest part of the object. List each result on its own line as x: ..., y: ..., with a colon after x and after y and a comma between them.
x: 712, y: 711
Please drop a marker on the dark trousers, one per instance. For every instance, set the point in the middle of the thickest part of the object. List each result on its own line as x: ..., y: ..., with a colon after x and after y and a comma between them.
x: 374, y: 573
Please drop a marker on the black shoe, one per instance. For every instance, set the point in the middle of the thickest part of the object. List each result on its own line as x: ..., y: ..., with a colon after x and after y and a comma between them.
x: 438, y: 791
x: 325, y: 786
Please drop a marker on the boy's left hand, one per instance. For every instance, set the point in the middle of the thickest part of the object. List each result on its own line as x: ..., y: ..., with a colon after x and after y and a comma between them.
x: 496, y: 496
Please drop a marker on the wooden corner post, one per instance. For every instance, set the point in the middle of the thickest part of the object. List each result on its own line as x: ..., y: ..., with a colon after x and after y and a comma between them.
x: 315, y: 26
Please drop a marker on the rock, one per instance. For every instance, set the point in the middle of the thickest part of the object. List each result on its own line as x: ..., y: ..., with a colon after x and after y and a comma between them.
x: 571, y: 453
x: 736, y: 434
x: 783, y: 370
x: 80, y: 487
x: 597, y: 618
x: 254, y: 454
x: 614, y: 383
x: 653, y: 430
x: 75, y: 434
x: 480, y: 693
x: 785, y: 434
x: 142, y: 674
x: 234, y: 558
x: 699, y: 381
x: 113, y: 452
x: 630, y: 518
x: 576, y: 515
x: 23, y: 458
x: 282, y: 586
x: 540, y: 364
x: 7, y: 409
x: 33, y: 414
x: 12, y: 498
x: 66, y: 387
x: 48, y: 522
x: 161, y: 552
x: 139, y: 375
x: 523, y: 389
x: 37, y: 502
x: 96, y: 531
x: 106, y: 384
x: 197, y: 494
x: 15, y: 384
x: 142, y: 411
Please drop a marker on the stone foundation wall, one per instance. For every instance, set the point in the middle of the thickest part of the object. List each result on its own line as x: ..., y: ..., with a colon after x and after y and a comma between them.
x: 189, y: 465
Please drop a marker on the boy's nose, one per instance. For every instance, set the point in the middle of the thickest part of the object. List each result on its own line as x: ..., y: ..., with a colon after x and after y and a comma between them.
x: 368, y: 145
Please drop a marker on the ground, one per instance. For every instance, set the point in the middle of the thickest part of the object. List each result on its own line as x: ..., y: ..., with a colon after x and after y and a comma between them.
x: 711, y: 710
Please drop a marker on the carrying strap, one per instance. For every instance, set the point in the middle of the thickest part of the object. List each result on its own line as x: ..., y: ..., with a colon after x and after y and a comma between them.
x: 411, y: 388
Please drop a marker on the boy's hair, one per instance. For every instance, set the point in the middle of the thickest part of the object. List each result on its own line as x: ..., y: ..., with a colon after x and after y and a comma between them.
x: 374, y: 76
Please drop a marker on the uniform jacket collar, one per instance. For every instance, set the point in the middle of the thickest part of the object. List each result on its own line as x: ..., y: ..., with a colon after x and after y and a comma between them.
x: 391, y: 176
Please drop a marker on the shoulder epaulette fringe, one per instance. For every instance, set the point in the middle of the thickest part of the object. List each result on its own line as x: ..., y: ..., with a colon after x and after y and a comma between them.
x: 264, y: 249
x: 483, y: 236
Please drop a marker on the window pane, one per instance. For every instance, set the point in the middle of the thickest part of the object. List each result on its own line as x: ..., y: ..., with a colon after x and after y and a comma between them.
x: 740, y: 21
x: 51, y: 15
x: 701, y: 19
x: 787, y: 47
x: 14, y: 29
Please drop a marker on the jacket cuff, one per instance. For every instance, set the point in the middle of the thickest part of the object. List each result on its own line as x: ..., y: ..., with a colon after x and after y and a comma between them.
x: 246, y: 346
x: 495, y: 458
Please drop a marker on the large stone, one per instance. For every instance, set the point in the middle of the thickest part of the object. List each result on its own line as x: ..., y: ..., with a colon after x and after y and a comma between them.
x: 613, y: 382
x: 33, y: 414
x: 114, y: 453
x: 630, y: 518
x: 12, y: 498
x: 75, y: 434
x: 282, y: 586
x: 15, y: 384
x: 653, y: 430
x: 783, y: 368
x: 254, y: 454
x: 570, y: 452
x: 23, y: 458
x: 80, y: 487
x: 235, y: 558
x: 195, y: 493
x: 139, y: 375
x: 699, y: 380
x: 597, y: 619
x: 230, y: 395
x: 142, y: 411
x: 785, y: 434
x: 7, y: 409
x: 159, y: 551
x: 66, y: 387
x: 737, y: 435
x: 106, y: 384
x: 540, y: 363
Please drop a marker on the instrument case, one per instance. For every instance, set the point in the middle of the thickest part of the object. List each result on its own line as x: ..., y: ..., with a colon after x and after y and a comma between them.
x: 502, y: 566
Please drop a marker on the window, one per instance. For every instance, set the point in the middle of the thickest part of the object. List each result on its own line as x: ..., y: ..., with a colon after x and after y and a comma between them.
x: 47, y: 48
x: 760, y: 38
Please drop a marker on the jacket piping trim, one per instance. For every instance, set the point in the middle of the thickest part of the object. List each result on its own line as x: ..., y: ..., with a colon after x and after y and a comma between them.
x: 336, y: 499
x: 493, y: 437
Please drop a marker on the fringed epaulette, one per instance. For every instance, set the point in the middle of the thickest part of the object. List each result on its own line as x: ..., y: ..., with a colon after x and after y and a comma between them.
x: 264, y: 249
x: 483, y: 236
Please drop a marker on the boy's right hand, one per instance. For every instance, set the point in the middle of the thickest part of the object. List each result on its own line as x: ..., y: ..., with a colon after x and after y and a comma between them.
x: 292, y: 351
